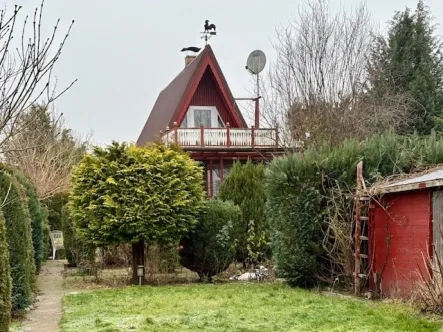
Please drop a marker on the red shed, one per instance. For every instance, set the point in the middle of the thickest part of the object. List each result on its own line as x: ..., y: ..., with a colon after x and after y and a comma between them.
x: 404, y: 217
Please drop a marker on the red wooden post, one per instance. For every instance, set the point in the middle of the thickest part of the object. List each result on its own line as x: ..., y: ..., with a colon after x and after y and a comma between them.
x: 253, y: 136
x: 175, y: 132
x: 228, y: 135
x: 211, y: 184
x: 221, y: 170
x: 202, y: 135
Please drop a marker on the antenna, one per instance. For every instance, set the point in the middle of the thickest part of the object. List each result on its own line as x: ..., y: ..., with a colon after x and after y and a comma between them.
x: 208, y: 33
x: 255, y: 64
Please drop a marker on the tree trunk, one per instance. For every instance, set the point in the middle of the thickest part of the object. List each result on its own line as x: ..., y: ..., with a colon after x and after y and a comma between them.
x: 138, y: 258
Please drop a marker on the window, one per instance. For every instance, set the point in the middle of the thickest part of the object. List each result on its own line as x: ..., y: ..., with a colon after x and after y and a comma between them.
x: 202, y: 115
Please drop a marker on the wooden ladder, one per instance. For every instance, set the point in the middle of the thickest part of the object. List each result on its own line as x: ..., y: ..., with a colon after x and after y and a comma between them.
x: 361, y: 255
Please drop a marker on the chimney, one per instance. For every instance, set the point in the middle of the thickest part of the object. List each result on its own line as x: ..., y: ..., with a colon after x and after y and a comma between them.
x: 189, y: 59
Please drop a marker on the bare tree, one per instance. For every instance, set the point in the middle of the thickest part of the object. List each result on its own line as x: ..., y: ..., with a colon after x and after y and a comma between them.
x: 25, y: 70
x: 316, y: 89
x: 51, y: 150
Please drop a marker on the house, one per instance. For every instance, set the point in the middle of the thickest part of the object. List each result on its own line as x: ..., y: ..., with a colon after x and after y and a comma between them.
x: 198, y: 111
x: 405, y: 232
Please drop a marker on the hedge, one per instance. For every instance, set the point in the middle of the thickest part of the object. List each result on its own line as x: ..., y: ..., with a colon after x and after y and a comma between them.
x: 5, y: 279
x: 210, y: 247
x: 310, y: 192
x: 37, y: 220
x: 21, y: 252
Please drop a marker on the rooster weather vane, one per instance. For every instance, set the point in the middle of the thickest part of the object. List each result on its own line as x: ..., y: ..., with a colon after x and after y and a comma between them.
x: 210, y: 31
x: 206, y: 35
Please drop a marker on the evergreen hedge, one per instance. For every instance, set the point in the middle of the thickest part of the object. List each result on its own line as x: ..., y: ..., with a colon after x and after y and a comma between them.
x: 5, y: 279
x: 21, y: 252
x: 304, y: 192
x: 37, y: 219
x: 210, y: 247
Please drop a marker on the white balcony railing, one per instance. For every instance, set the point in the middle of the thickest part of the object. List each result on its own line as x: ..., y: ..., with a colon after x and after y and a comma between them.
x: 240, y: 138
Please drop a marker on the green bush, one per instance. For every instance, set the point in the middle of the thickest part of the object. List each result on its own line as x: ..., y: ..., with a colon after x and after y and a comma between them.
x: 37, y: 219
x: 21, y: 252
x: 5, y: 279
x: 55, y: 211
x: 76, y: 250
x: 309, y: 200
x: 210, y: 247
x: 244, y: 186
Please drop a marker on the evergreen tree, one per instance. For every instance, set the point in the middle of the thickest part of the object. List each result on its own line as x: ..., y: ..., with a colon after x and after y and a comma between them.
x: 5, y: 278
x: 409, y: 61
x: 244, y: 187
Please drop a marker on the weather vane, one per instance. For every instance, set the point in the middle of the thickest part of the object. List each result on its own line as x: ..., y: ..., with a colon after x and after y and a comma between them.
x: 208, y: 33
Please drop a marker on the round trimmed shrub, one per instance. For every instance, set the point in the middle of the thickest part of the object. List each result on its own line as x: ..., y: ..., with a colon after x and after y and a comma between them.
x: 18, y: 235
x: 210, y: 247
x: 5, y: 279
x: 37, y: 219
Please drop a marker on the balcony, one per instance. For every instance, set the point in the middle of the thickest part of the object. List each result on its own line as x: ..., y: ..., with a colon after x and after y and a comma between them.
x: 222, y: 138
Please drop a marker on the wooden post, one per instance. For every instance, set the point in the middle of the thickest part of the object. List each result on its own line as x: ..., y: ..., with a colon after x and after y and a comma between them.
x: 253, y: 136
x: 211, y: 184
x: 276, y: 136
x: 221, y: 170
x: 175, y: 133
x: 228, y: 135
x: 202, y: 135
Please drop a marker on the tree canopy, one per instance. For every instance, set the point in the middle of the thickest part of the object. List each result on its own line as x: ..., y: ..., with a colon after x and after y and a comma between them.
x: 409, y: 61
x: 126, y: 194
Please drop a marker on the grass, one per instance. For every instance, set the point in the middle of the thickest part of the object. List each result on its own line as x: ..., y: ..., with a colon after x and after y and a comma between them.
x: 231, y: 307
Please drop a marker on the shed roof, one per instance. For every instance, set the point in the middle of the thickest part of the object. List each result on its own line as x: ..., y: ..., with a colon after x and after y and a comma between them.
x: 427, y: 179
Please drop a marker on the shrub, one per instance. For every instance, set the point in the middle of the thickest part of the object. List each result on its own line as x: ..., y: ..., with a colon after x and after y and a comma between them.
x: 311, y: 194
x: 21, y: 252
x: 75, y: 249
x: 37, y: 219
x: 5, y: 279
x: 210, y: 247
x: 54, y: 206
x: 244, y: 186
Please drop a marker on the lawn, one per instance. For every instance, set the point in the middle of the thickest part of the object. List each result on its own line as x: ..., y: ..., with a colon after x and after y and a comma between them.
x: 231, y: 307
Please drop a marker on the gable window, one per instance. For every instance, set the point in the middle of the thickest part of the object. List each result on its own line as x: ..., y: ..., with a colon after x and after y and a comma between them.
x: 202, y: 115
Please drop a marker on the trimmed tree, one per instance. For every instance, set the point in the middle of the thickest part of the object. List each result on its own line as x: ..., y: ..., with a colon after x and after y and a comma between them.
x: 129, y: 194
x: 21, y: 252
x: 210, y: 247
x: 5, y: 279
x: 244, y: 186
x: 37, y: 219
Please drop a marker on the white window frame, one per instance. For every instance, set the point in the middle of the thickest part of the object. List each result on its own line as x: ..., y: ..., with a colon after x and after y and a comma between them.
x: 214, y: 116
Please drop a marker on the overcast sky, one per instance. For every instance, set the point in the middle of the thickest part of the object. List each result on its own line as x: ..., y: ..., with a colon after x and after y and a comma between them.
x: 123, y: 53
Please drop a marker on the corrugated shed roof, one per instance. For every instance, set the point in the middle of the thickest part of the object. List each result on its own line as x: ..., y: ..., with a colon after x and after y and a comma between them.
x: 428, y: 179
x: 171, y: 98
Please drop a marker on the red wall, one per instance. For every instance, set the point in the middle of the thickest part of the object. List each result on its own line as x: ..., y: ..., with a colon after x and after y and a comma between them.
x: 399, y: 237
x: 207, y: 94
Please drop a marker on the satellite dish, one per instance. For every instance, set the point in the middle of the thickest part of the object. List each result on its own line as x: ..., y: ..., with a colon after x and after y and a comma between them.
x: 256, y: 62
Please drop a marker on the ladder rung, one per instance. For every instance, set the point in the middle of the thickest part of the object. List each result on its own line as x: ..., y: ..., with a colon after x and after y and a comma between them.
x: 365, y: 238
x: 365, y: 198
x: 364, y: 218
x: 361, y: 255
x: 360, y: 275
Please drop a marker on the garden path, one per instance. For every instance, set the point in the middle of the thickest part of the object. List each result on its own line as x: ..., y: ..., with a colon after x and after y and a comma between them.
x: 48, y: 307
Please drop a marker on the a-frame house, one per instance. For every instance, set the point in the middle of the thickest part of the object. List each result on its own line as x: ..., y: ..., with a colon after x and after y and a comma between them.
x: 198, y: 111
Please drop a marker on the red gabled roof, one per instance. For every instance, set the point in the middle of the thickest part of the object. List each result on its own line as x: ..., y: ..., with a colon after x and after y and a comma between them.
x: 172, y: 101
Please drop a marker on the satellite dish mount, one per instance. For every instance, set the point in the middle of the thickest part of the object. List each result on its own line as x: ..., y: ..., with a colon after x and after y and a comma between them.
x: 255, y: 64
x: 209, y: 31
